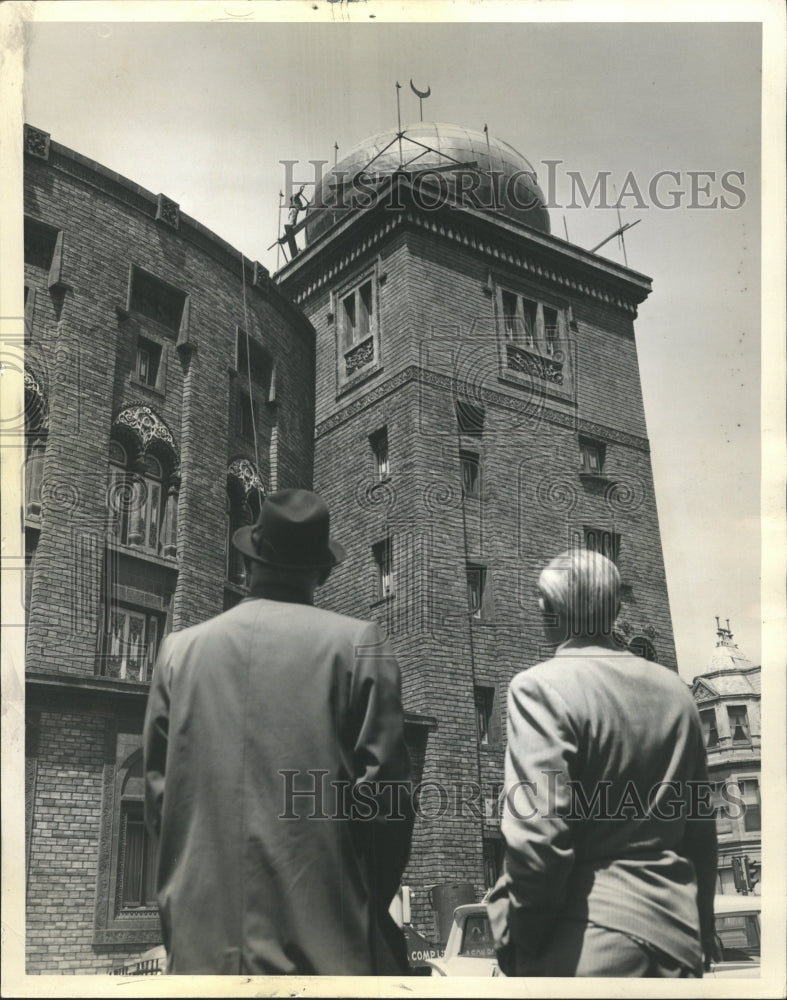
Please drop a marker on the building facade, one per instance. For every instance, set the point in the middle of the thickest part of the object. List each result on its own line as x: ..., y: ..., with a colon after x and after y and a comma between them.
x: 460, y: 385
x: 478, y: 410
x: 728, y: 698
x: 168, y: 386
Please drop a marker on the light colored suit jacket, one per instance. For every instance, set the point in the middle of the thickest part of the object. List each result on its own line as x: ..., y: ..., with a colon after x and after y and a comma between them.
x: 264, y: 866
x: 607, y: 815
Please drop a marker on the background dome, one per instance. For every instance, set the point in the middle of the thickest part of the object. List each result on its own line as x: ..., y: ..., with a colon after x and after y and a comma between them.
x: 518, y: 195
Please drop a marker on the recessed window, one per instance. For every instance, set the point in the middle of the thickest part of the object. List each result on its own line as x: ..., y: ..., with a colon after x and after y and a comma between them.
x: 245, y: 416
x: 750, y: 793
x: 136, y: 860
x: 528, y: 323
x: 470, y: 462
x: 379, y: 444
x: 40, y: 243
x: 605, y: 542
x: 709, y: 730
x: 148, y: 360
x: 261, y: 372
x: 240, y: 511
x: 476, y: 590
x: 357, y: 315
x: 131, y: 642
x: 383, y: 558
x: 484, y: 706
x: 739, y: 723
x: 551, y: 331
x: 470, y: 418
x: 157, y: 300
x: 591, y: 457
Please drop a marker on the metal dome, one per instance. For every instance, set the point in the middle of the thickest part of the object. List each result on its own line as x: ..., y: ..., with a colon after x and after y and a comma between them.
x: 503, y: 182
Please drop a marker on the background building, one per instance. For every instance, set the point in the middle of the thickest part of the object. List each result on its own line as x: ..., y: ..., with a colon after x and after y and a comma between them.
x: 464, y: 387
x: 728, y: 697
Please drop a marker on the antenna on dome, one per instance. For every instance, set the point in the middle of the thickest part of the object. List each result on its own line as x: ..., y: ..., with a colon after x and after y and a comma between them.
x: 399, y: 122
x: 335, y: 153
x: 489, y: 162
x: 621, y: 229
x: 421, y: 95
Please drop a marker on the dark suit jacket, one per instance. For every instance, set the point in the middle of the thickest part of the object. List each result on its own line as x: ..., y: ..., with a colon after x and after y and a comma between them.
x: 247, y: 710
x: 610, y: 745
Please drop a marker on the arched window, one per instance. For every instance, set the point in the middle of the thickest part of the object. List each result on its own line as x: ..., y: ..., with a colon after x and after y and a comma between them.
x: 136, y: 500
x: 640, y: 646
x: 35, y: 445
x: 245, y: 492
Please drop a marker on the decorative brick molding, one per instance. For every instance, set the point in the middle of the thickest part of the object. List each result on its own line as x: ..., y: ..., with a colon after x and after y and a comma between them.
x: 530, y: 363
x: 36, y: 142
x: 168, y: 211
x: 426, y: 377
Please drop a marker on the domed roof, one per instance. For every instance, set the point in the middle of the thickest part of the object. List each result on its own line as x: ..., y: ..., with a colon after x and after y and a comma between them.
x: 503, y: 180
x: 726, y: 655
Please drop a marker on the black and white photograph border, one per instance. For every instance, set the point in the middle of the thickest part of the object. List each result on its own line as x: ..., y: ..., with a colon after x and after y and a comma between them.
x: 640, y: 149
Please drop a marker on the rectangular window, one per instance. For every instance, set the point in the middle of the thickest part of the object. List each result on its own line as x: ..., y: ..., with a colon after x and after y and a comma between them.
x: 156, y: 300
x: 550, y: 330
x: 40, y: 243
x: 245, y: 416
x: 357, y: 315
x: 130, y: 644
x: 379, y: 443
x: 148, y: 361
x: 476, y: 590
x: 510, y: 314
x: 470, y: 418
x: 493, y: 848
x: 591, y: 457
x: 137, y: 874
x: 484, y: 707
x: 261, y: 373
x: 711, y: 733
x: 605, y: 542
x: 383, y: 557
x: 739, y: 723
x: 471, y: 473
x: 750, y: 793
x: 722, y: 810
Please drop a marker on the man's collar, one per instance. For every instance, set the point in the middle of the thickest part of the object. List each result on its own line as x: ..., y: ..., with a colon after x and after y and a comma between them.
x: 278, y: 592
x: 584, y: 644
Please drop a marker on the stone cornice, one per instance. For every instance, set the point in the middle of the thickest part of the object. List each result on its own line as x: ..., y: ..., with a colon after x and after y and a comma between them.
x: 533, y: 254
x: 525, y: 406
x: 159, y: 208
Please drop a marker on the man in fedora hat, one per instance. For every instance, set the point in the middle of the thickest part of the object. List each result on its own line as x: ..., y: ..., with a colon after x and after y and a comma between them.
x: 274, y: 767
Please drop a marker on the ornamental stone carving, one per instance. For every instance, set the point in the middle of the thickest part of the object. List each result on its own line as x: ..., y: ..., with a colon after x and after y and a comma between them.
x: 36, y: 142
x: 148, y: 426
x: 703, y: 693
x: 168, y: 211
x: 33, y: 386
x: 359, y: 357
x: 534, y: 364
x: 244, y: 472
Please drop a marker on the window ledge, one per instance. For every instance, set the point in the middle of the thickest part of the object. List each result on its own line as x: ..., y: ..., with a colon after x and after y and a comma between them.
x: 348, y: 385
x: 382, y: 601
x: 601, y: 477
x: 171, y: 562
x: 139, y: 384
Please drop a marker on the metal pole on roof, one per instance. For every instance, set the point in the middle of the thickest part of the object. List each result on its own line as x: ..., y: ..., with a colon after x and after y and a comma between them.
x: 399, y: 121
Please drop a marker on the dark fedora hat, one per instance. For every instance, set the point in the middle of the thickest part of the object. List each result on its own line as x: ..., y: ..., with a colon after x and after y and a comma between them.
x: 292, y: 532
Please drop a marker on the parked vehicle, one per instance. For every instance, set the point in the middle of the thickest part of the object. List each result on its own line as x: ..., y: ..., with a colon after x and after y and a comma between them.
x: 470, y: 948
x: 738, y: 934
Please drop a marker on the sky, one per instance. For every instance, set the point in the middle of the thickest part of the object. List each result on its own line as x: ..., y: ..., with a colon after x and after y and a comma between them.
x: 205, y: 112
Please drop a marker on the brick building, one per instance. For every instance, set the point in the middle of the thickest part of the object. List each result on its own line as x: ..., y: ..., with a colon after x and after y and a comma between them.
x: 728, y: 698
x: 460, y: 385
x: 168, y: 383
x: 478, y: 409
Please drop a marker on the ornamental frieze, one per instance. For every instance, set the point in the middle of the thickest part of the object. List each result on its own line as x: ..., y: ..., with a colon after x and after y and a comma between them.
x: 36, y: 142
